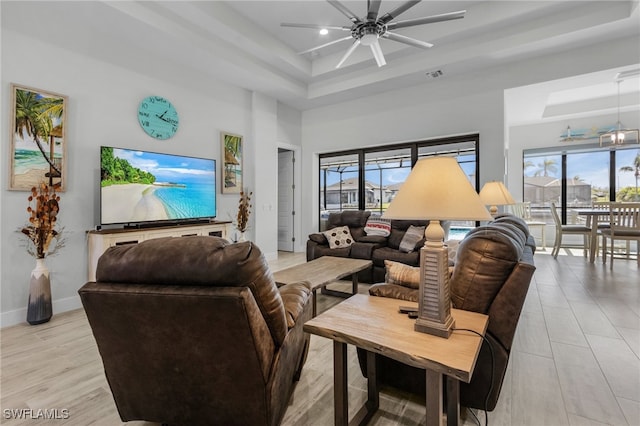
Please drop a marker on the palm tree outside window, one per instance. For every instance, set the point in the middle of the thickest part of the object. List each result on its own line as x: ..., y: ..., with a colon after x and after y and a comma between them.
x: 628, y: 192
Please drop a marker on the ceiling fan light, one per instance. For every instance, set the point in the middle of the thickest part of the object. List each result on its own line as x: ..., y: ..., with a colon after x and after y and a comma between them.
x: 369, y: 39
x: 618, y: 135
x: 369, y: 30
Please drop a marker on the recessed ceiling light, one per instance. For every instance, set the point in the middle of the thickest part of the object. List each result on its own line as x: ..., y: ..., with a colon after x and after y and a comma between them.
x: 324, y: 31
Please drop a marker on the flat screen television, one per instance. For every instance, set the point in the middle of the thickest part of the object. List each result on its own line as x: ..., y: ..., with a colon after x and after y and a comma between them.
x: 140, y: 187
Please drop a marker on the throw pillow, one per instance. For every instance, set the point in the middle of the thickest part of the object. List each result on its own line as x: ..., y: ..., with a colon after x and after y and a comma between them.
x: 401, y: 274
x: 378, y: 226
x: 339, y: 237
x: 411, y: 238
x: 318, y: 238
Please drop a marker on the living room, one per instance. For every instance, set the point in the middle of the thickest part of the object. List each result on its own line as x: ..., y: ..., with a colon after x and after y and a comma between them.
x: 106, y: 72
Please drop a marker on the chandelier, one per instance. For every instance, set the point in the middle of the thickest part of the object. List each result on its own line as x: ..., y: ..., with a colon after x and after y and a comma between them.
x: 618, y: 136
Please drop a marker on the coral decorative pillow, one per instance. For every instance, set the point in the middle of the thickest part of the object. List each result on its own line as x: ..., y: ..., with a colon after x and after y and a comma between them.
x: 401, y: 274
x: 411, y: 238
x: 378, y: 226
x: 339, y: 237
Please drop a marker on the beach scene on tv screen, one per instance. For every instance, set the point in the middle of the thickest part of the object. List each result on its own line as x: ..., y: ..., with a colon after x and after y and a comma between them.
x: 138, y: 186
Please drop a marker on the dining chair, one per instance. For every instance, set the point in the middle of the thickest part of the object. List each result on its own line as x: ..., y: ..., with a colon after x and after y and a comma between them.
x: 625, y: 225
x: 561, y: 230
x: 603, y: 219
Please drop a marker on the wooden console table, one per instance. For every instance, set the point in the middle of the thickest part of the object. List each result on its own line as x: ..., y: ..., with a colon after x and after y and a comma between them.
x: 99, y: 241
x: 374, y: 324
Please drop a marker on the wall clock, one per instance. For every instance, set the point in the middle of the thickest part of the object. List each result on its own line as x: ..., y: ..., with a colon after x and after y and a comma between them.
x: 158, y: 117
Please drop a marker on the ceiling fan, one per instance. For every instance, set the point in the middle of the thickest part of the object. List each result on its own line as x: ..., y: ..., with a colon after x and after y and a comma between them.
x: 367, y: 31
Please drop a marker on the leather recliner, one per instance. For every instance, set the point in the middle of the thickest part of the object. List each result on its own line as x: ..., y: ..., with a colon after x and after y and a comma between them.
x: 492, y: 273
x: 194, y: 331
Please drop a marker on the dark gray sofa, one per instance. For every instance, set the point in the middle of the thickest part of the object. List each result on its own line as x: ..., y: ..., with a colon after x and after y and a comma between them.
x: 375, y: 248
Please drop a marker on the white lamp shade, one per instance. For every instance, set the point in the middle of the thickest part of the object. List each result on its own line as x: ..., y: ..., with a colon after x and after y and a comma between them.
x: 496, y: 194
x: 437, y: 189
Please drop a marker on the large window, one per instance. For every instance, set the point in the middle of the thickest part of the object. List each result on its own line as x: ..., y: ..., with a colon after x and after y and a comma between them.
x: 339, y: 183
x: 577, y: 177
x: 384, y: 173
x: 368, y: 179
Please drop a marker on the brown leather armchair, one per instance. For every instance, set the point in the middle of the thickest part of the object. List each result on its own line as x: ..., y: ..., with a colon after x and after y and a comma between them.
x: 492, y: 273
x: 194, y: 331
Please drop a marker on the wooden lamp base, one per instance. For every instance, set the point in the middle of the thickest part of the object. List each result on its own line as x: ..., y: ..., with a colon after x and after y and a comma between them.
x: 434, y: 300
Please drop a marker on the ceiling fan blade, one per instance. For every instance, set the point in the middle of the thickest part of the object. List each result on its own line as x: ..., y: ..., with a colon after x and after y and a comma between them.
x: 314, y: 26
x: 325, y: 45
x: 345, y: 11
x: 373, y: 6
x: 398, y: 10
x: 427, y: 20
x: 355, y: 44
x: 407, y: 40
x: 377, y: 54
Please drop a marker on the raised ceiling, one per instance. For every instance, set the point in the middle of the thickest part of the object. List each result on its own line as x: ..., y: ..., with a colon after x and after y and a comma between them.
x: 242, y: 42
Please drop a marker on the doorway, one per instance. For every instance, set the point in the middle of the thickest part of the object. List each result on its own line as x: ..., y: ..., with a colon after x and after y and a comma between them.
x: 286, y: 199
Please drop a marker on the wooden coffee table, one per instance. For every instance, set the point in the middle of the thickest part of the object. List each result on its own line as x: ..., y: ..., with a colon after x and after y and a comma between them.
x: 374, y: 324
x: 322, y: 271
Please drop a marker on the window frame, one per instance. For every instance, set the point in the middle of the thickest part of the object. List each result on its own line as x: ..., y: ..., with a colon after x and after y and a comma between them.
x: 563, y: 152
x: 414, y: 149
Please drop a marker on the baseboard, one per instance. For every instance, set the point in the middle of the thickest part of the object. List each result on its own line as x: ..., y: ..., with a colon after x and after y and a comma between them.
x: 19, y: 316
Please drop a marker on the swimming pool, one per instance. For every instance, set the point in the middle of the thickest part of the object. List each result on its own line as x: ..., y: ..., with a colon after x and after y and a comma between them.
x: 458, y: 233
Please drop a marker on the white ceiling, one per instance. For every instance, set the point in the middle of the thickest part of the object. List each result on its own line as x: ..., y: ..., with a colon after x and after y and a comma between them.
x: 242, y: 43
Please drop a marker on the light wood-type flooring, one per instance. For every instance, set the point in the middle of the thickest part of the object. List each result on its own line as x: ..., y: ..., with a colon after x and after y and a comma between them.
x: 575, y: 359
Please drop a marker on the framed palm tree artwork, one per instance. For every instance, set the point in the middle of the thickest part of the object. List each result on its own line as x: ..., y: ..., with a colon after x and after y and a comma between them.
x: 232, y: 153
x: 38, y: 142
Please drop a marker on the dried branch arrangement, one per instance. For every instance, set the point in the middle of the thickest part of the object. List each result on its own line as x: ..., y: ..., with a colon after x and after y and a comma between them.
x: 244, y: 211
x: 43, y: 212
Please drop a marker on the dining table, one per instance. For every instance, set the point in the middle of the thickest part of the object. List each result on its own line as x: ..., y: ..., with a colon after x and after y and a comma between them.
x: 593, y: 218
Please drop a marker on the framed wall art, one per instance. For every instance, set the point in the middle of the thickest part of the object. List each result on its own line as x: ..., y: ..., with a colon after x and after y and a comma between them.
x: 232, y: 153
x: 38, y: 142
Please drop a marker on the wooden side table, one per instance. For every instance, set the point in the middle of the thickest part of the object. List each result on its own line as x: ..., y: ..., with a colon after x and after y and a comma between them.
x: 374, y: 324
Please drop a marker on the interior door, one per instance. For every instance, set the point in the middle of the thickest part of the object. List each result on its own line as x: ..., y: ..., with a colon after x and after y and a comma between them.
x: 286, y: 191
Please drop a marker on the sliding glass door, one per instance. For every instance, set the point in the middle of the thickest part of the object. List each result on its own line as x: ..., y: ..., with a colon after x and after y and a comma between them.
x: 369, y: 178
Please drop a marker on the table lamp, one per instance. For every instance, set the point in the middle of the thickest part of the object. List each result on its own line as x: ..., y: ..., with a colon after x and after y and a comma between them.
x: 436, y: 189
x: 495, y: 194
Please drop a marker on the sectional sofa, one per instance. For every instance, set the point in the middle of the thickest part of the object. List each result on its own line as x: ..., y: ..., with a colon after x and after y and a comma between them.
x: 376, y: 248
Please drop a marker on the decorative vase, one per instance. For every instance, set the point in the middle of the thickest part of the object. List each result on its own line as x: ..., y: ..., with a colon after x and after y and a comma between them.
x: 39, y: 309
x: 242, y: 237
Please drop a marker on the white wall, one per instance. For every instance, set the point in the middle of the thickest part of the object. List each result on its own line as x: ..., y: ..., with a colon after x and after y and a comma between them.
x: 103, y: 101
x: 289, y: 125
x: 290, y: 138
x: 265, y: 168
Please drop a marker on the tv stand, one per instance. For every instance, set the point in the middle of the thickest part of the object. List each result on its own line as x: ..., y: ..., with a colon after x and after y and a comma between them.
x: 99, y: 241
